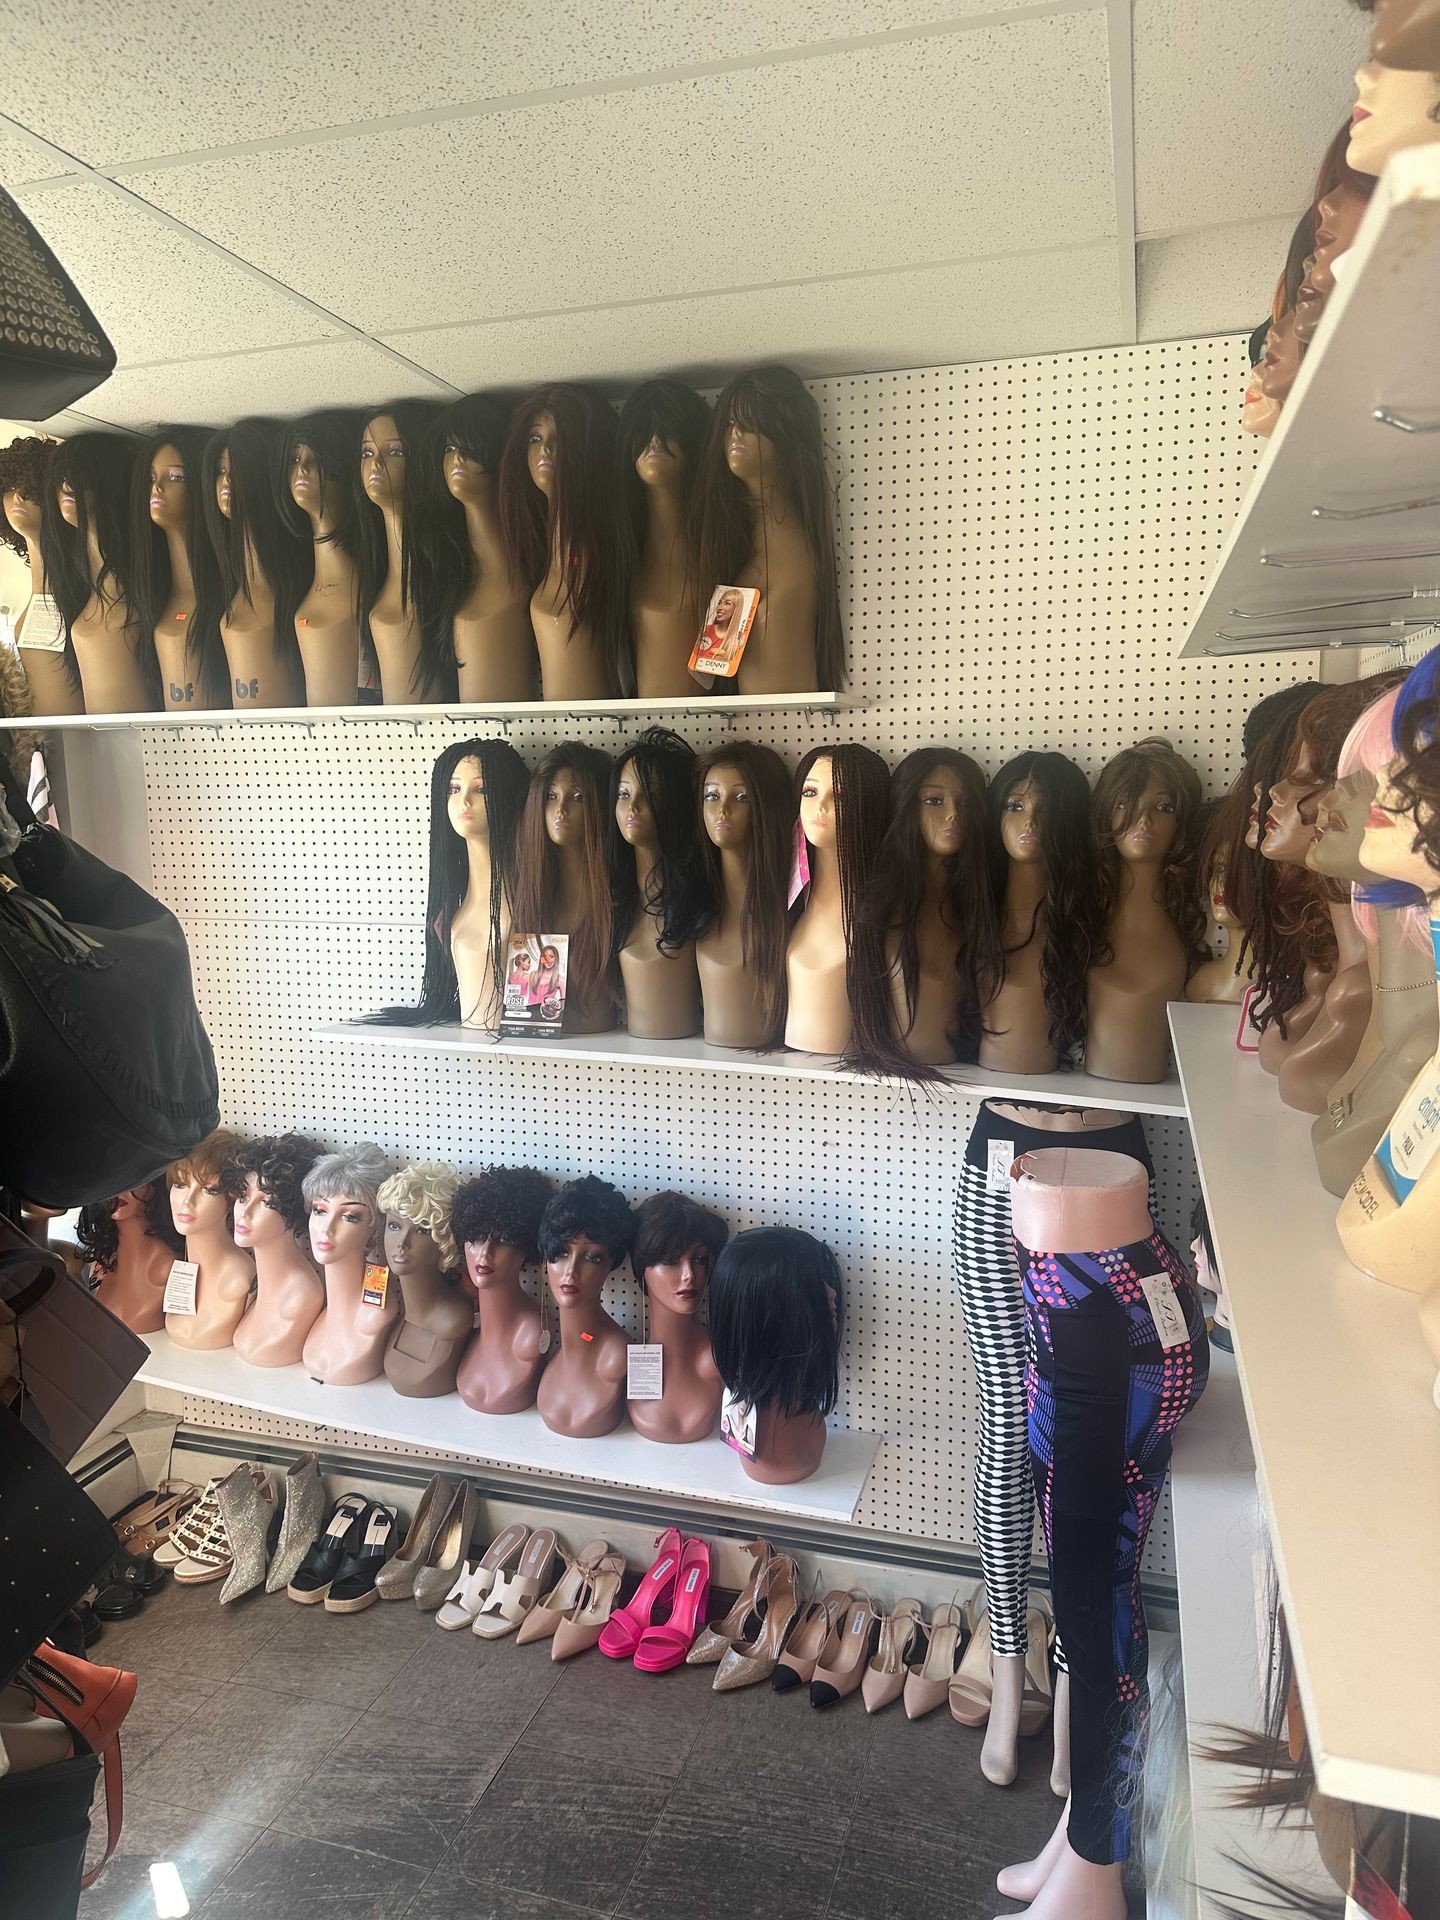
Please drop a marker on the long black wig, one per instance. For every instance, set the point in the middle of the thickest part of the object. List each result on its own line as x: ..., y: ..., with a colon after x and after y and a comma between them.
x: 333, y: 436
x: 98, y: 467
x: 153, y: 579
x: 98, y: 1232
x: 506, y: 781
x: 434, y: 677
x: 440, y: 570
x: 860, y: 782
x: 681, y: 419
x: 254, y: 534
x: 764, y: 921
x: 776, y: 1311
x: 664, y: 764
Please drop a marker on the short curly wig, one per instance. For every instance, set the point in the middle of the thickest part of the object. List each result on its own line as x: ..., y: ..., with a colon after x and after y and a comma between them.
x: 503, y: 1203
x: 588, y: 1209
x: 22, y: 470
x: 212, y: 1163
x: 98, y: 1233
x: 279, y: 1163
x: 425, y: 1193
x: 667, y: 1224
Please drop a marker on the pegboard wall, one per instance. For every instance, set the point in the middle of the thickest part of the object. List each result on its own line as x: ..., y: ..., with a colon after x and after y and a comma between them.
x: 1021, y: 545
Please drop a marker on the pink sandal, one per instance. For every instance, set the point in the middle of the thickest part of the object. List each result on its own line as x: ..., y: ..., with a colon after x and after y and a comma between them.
x: 625, y: 1626
x: 666, y: 1646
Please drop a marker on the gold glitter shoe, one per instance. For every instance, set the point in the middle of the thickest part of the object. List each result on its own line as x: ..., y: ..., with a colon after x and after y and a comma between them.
x: 715, y: 1641
x: 745, y: 1664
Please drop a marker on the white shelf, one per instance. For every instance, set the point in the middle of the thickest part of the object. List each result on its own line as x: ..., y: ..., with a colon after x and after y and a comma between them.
x: 1376, y: 348
x: 1337, y: 1389
x: 707, y: 1470
x: 623, y: 1049
x: 451, y: 711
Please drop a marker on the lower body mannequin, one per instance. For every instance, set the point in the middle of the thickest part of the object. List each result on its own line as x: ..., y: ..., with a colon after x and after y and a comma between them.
x: 1004, y: 1497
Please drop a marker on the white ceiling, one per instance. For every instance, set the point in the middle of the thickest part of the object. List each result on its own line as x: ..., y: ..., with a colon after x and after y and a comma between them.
x: 266, y: 212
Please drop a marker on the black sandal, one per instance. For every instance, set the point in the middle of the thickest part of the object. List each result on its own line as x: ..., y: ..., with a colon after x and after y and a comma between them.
x: 342, y: 1534
x: 125, y: 1584
x: 353, y: 1588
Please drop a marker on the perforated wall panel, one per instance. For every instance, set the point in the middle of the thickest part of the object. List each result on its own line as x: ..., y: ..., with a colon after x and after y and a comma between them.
x: 1021, y: 545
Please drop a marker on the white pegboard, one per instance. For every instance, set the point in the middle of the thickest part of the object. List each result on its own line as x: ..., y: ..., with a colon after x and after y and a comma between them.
x: 1021, y: 546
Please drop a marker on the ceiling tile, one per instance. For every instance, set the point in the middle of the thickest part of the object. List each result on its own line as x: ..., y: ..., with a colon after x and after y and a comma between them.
x: 159, y: 295
x: 781, y: 173
x: 21, y: 163
x: 983, y: 310
x: 1234, y: 105
x: 1217, y: 281
x: 180, y: 80
x: 283, y: 381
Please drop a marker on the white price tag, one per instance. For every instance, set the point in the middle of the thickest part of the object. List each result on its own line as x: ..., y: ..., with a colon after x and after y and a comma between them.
x: 41, y: 626
x: 180, y: 1287
x: 738, y: 1425
x: 644, y: 1373
x: 1165, y: 1310
x: 999, y: 1158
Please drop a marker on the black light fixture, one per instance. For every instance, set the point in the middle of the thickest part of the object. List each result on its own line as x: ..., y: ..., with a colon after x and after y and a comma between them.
x: 52, y: 348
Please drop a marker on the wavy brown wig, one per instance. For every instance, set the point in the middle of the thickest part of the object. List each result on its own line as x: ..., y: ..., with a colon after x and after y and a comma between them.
x: 22, y: 471
x: 98, y: 1232
x: 441, y: 572
x: 434, y: 676
x: 537, y: 866
x: 664, y: 765
x: 764, y: 922
x: 1116, y: 800
x: 860, y: 782
x: 153, y: 575
x: 279, y: 1164
x: 774, y: 402
x: 253, y: 538
x: 212, y: 1162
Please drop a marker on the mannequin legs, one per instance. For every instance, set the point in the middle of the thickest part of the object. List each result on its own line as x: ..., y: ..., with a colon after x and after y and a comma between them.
x: 1024, y: 1880
x: 1060, y: 1765
x: 1060, y: 1885
x: 998, y: 1760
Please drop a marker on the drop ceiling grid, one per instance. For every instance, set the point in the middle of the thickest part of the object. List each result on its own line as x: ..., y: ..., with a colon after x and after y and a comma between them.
x: 1019, y: 543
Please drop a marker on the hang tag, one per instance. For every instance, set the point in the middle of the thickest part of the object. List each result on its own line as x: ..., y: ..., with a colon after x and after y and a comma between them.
x: 1165, y: 1309
x: 544, y: 1339
x: 376, y: 1287
x: 737, y: 1425
x: 41, y: 626
x: 1413, y: 1136
x: 799, y: 867
x: 180, y: 1287
x: 644, y: 1373
x: 999, y: 1158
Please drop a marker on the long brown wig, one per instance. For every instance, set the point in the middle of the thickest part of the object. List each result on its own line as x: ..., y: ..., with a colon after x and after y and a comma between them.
x: 774, y: 402
x: 537, y: 866
x: 860, y: 781
x: 764, y: 922
x: 1115, y: 802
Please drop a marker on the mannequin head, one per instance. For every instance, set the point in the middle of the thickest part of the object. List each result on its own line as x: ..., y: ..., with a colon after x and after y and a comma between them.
x: 842, y: 800
x: 1407, y: 34
x: 393, y: 447
x: 565, y: 818
x: 87, y: 494
x: 1341, y: 196
x: 267, y: 1187
x: 98, y: 1232
x: 765, y: 439
x: 586, y: 1230
x: 238, y: 469
x: 168, y: 500
x: 1342, y: 820
x: 455, y: 464
x: 652, y: 812
x: 1406, y: 846
x: 22, y: 492
x: 495, y: 1222
x: 556, y: 496
x: 1279, y: 362
x: 747, y: 811
x: 1147, y: 812
x: 342, y: 1193
x: 203, y: 1183
x: 1039, y: 805
x: 1395, y: 108
x: 775, y: 1312
x: 677, y: 1244
x: 1312, y: 763
x: 315, y: 490
x: 662, y: 431
x: 417, y: 1203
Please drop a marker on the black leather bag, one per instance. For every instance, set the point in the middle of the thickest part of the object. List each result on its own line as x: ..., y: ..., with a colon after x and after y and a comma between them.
x: 106, y: 1072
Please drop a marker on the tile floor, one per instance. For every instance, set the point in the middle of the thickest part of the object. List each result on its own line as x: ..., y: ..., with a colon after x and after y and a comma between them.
x: 296, y: 1765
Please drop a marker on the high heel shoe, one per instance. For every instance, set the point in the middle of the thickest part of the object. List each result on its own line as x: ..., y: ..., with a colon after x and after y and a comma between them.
x: 625, y: 1626
x: 564, y: 1597
x: 583, y: 1626
x: 927, y: 1684
x: 475, y: 1579
x: 796, y: 1664
x: 841, y: 1665
x: 311, y: 1580
x: 448, y: 1549
x: 396, y: 1579
x: 665, y: 1646
x: 301, y: 1519
x: 713, y: 1642
x: 248, y: 1510
x: 353, y: 1588
x: 515, y: 1594
x: 885, y: 1671
x: 746, y: 1663
x: 972, y: 1685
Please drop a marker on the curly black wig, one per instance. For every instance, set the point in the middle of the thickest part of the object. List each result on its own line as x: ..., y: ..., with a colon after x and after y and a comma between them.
x: 279, y: 1163
x: 505, y: 1204
x: 589, y: 1209
x: 98, y: 1234
x: 22, y: 470
x: 667, y: 1224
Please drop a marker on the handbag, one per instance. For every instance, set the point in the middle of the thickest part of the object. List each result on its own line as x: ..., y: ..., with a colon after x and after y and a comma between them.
x: 44, y: 1825
x: 106, y: 1071
x: 92, y: 1701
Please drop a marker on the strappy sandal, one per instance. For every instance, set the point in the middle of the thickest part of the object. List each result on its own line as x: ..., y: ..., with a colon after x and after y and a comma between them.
x: 148, y: 1522
x: 209, y: 1557
x: 665, y: 1646
x: 927, y: 1683
x: 715, y: 1641
x: 582, y: 1628
x: 796, y: 1665
x: 973, y: 1684
x: 190, y: 1528
x: 353, y: 1588
x: 312, y: 1579
x: 884, y: 1679
x: 476, y: 1578
x: 516, y: 1593
x: 565, y: 1596
x: 625, y: 1626
x: 747, y: 1662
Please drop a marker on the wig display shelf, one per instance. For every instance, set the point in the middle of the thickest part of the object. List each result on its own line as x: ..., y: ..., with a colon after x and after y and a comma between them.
x: 1338, y: 542
x: 623, y: 1049
x: 707, y: 1470
x: 453, y: 711
x: 1337, y: 1381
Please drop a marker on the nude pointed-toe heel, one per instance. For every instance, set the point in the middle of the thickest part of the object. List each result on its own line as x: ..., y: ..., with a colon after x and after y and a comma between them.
x: 841, y: 1667
x: 884, y: 1677
x: 927, y: 1684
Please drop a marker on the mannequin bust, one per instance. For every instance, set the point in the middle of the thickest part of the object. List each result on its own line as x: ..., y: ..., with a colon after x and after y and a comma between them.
x: 260, y: 561
x: 271, y: 1223
x: 85, y: 538
x: 1223, y: 979
x: 1044, y: 885
x: 562, y: 877
x: 466, y: 594
x: 662, y: 433
x: 177, y: 579
x: 585, y: 1233
x: 838, y: 999
x: 316, y: 502
x: 776, y: 1305
x: 1407, y: 34
x: 676, y: 1246
x: 1395, y: 108
x: 655, y: 861
x: 1147, y: 819
x: 131, y: 1241
x: 416, y: 662
x: 496, y: 1224
x: 748, y: 817
x: 53, y: 676
x: 200, y: 1189
x: 346, y: 1346
x: 556, y: 490
x: 763, y: 519
x: 434, y: 1328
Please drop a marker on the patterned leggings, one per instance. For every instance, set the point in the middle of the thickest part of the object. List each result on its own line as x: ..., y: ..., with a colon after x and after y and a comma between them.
x: 1105, y: 1396
x: 994, y: 1309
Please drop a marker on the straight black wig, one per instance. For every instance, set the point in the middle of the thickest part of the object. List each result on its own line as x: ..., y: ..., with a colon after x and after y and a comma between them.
x: 675, y: 894
x: 332, y: 435
x: 677, y: 415
x: 776, y: 1308
x: 254, y: 536
x: 440, y: 564
x: 99, y: 468
x: 154, y: 577
x: 434, y: 677
x: 860, y: 782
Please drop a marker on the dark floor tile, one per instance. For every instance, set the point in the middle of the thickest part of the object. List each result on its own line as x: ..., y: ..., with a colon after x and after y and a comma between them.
x: 201, y: 1849
x: 568, y: 1829
x: 782, y: 1745
x: 397, y: 1785
x: 597, y: 1701
x: 185, y: 1630
x: 725, y: 1850
x: 912, y: 1873
x: 453, y: 1894
x: 455, y: 1677
x: 926, y: 1773
x: 163, y: 1704
x: 284, y: 1878
x: 349, y: 1657
x: 245, y: 1754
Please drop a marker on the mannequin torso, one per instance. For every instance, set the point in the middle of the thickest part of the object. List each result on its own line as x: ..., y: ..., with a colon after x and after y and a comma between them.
x: 928, y: 1035
x: 346, y: 1345
x: 780, y: 653
x: 1127, y: 1034
x: 689, y: 1406
x: 662, y: 990
x: 1314, y: 1063
x: 1275, y: 1047
x: 494, y: 641
x: 500, y: 1372
x: 327, y: 627
x: 819, y: 1019
x: 664, y: 613
x: 179, y: 665
x: 572, y: 665
x: 105, y: 643
x: 582, y: 1391
x: 788, y: 1447
x: 1016, y: 1036
x: 471, y: 933
x: 258, y: 676
x: 392, y: 627
x: 288, y: 1294
x: 731, y: 1006
x: 424, y: 1352
x: 135, y: 1290
x: 1222, y: 980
